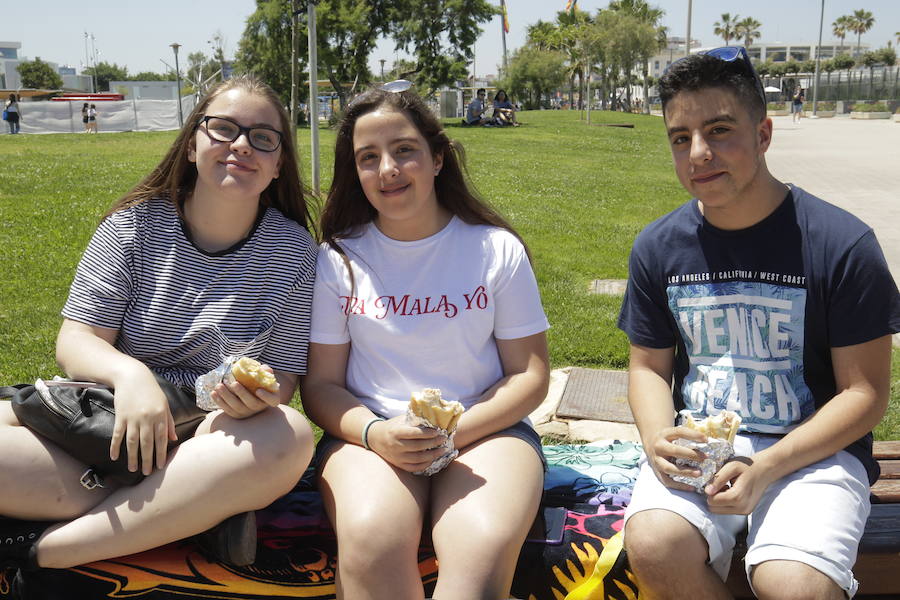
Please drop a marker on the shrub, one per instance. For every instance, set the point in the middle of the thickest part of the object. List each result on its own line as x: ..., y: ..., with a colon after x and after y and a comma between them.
x: 876, y: 107
x: 775, y: 106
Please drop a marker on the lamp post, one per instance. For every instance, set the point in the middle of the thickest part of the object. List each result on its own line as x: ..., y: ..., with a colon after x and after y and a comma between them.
x: 313, y: 92
x: 687, y: 42
x: 818, y: 59
x: 175, y: 47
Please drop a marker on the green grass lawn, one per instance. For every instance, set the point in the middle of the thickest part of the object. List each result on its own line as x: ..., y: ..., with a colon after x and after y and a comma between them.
x: 578, y: 194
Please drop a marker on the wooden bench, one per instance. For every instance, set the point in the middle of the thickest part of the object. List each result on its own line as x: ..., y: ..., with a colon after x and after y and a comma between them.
x: 878, y: 565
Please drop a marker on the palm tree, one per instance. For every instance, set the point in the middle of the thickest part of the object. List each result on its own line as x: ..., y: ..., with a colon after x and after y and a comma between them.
x: 748, y: 29
x: 861, y: 22
x: 840, y: 28
x: 726, y: 27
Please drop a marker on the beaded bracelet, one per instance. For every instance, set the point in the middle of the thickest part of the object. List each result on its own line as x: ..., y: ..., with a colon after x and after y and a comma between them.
x: 365, y: 432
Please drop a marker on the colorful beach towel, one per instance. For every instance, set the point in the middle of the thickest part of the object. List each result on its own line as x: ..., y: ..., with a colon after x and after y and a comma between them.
x: 297, y: 552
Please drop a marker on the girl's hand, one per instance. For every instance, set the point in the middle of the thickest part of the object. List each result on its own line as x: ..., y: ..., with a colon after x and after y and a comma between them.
x: 406, y: 447
x: 238, y: 402
x: 143, y: 421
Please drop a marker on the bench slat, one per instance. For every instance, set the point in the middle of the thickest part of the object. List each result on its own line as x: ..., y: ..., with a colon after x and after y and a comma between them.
x: 890, y: 469
x: 882, y: 532
x: 886, y: 491
x: 886, y: 450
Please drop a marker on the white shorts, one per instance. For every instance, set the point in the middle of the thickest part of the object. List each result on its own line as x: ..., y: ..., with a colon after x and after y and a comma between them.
x: 815, y: 515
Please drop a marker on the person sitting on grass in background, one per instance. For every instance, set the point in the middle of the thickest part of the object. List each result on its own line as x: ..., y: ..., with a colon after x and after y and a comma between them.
x: 403, y: 230
x: 208, y: 256
x: 759, y: 298
x: 475, y: 110
x: 504, y: 111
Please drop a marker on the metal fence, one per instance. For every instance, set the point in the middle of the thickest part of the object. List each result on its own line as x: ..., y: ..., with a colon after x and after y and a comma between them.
x: 124, y: 115
x: 854, y: 85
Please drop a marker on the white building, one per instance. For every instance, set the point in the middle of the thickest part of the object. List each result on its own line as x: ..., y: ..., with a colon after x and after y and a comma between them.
x: 146, y: 90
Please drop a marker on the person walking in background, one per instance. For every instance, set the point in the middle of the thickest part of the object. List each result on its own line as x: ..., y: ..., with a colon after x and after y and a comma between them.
x: 403, y: 228
x: 13, y: 113
x: 92, y: 119
x: 797, y: 104
x: 85, y: 118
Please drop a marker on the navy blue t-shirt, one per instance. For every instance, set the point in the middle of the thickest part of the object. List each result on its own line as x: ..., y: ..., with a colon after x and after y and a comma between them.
x: 753, y: 314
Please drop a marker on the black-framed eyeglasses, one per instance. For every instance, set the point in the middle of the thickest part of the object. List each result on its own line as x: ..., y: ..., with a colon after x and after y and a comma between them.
x: 223, y: 129
x: 731, y: 54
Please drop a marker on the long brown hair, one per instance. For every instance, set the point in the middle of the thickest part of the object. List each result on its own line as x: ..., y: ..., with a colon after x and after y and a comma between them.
x: 174, y: 177
x: 346, y: 207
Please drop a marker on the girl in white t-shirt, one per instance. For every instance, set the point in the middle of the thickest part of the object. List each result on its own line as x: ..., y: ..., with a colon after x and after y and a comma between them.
x: 208, y: 255
x: 420, y: 284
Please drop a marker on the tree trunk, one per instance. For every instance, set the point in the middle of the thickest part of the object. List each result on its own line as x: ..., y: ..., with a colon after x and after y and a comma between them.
x: 646, y: 110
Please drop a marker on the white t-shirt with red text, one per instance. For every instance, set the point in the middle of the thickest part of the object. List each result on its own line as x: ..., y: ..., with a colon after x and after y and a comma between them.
x: 425, y: 313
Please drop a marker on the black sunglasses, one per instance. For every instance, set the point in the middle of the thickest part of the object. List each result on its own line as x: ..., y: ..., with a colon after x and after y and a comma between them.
x: 731, y: 54
x: 223, y: 129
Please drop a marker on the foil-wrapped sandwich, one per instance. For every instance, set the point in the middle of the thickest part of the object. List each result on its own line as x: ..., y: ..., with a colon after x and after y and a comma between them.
x: 428, y: 409
x: 720, y: 430
x: 248, y: 372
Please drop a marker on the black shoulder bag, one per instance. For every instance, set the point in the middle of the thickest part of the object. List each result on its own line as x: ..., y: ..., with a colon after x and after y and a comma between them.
x: 79, y: 418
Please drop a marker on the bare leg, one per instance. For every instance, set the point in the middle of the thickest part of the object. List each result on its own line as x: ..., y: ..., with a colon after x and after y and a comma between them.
x: 786, y: 579
x: 377, y: 512
x: 230, y: 466
x: 668, y: 556
x: 39, y: 481
x: 483, y: 505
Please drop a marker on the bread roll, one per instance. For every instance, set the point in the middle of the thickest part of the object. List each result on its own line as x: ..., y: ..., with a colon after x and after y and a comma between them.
x: 722, y: 426
x: 440, y: 413
x: 250, y: 374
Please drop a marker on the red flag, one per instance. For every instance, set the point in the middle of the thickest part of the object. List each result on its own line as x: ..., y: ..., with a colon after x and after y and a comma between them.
x: 505, y: 16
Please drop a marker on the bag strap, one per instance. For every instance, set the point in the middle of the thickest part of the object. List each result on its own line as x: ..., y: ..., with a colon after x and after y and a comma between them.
x: 8, y: 391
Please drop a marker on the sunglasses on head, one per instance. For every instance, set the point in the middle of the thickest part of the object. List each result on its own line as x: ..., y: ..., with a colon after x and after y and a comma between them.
x: 732, y: 54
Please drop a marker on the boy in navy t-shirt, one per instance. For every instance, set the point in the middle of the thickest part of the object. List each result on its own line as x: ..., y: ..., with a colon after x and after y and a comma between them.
x: 758, y: 298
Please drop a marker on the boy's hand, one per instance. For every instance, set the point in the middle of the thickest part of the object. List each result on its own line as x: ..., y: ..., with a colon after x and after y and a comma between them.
x: 737, y: 487
x: 662, y: 452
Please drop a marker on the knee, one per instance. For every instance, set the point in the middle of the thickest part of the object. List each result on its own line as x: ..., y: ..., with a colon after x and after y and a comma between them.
x: 282, y: 446
x: 651, y: 541
x: 370, y: 540
x: 791, y: 580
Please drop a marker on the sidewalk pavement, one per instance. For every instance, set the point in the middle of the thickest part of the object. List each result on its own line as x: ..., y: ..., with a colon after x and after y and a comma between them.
x: 851, y: 163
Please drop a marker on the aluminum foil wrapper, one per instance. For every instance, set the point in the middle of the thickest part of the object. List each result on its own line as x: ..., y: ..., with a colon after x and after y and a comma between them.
x: 205, y: 384
x: 450, y: 451
x: 717, y: 452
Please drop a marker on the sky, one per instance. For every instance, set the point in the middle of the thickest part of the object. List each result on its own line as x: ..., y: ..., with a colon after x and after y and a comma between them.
x: 138, y: 34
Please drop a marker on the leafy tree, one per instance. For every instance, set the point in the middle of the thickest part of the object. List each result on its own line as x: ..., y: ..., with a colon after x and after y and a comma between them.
x: 748, y: 30
x: 725, y: 28
x: 265, y: 47
x: 887, y: 56
x: 440, y: 35
x: 200, y: 68
x: 840, y: 28
x: 647, y: 45
x: 151, y: 76
x: 808, y: 66
x: 106, y: 72
x: 843, y: 61
x: 39, y: 75
x: 533, y: 73
x: 347, y: 31
x: 861, y: 21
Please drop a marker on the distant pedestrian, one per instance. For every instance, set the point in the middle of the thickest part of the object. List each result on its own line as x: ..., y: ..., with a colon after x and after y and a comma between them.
x: 84, y: 118
x: 797, y: 104
x: 92, y: 119
x: 12, y: 113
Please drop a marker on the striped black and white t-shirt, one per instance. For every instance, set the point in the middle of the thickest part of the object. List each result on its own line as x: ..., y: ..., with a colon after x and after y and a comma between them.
x: 181, y: 310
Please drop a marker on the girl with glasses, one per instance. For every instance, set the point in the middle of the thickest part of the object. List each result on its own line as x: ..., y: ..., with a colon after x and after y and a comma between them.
x: 210, y: 255
x: 421, y: 284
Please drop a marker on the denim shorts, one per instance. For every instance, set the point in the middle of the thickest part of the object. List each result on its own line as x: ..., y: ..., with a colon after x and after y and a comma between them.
x: 521, y: 430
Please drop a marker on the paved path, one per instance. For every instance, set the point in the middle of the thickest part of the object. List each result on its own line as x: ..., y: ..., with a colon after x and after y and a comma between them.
x: 852, y: 163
